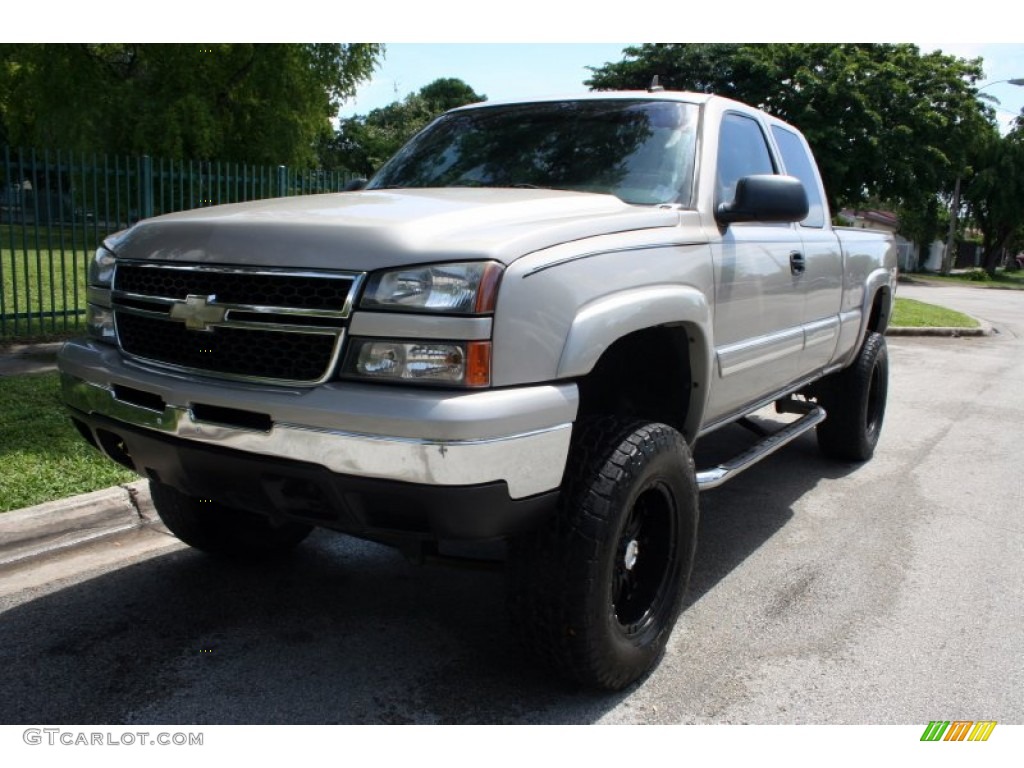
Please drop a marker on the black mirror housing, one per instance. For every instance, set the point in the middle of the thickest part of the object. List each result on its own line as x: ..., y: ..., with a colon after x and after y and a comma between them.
x: 765, y: 198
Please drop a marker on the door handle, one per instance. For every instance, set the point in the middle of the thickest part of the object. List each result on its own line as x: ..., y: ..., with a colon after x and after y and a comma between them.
x: 797, y: 265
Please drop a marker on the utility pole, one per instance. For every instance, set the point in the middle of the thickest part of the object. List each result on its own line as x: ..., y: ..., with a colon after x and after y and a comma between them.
x: 948, y: 257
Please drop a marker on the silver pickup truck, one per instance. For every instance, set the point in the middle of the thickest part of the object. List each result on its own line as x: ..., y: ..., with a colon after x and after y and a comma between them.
x: 516, y: 332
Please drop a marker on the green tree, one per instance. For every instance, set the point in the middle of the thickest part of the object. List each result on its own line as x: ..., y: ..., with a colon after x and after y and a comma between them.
x: 994, y: 191
x: 240, y: 102
x: 448, y: 93
x: 885, y: 121
x: 365, y: 142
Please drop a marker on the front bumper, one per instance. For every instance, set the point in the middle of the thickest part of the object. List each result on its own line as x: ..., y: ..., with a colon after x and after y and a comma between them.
x: 419, y: 443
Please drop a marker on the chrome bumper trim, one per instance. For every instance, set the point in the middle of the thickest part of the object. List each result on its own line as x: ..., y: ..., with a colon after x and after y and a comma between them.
x: 530, y: 463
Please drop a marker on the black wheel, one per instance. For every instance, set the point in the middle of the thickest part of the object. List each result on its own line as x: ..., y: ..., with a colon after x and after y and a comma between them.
x: 220, y: 530
x: 854, y: 400
x: 595, y: 592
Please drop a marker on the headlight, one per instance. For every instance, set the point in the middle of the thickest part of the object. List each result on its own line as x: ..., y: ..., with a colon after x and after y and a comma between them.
x: 468, y: 288
x: 454, y: 363
x: 99, y: 317
x: 101, y: 268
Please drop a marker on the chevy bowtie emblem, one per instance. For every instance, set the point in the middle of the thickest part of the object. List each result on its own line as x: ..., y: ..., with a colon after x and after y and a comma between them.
x: 199, y: 312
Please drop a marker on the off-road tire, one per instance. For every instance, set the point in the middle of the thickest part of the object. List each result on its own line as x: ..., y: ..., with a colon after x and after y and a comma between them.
x: 220, y: 530
x: 854, y: 400
x: 596, y: 591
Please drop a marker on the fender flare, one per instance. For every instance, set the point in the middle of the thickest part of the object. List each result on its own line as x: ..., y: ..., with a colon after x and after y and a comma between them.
x: 879, y: 281
x: 600, y: 323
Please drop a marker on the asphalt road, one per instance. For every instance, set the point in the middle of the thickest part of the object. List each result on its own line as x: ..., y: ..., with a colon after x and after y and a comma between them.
x: 890, y: 592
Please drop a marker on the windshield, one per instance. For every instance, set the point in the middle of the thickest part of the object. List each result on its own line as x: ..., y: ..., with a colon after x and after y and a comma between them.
x: 640, y: 151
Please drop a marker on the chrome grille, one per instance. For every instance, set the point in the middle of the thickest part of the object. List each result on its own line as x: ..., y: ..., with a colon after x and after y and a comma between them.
x: 304, y: 291
x: 276, y: 326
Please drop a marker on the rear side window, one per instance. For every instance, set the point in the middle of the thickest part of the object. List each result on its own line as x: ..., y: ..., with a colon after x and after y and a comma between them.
x: 799, y: 164
x: 742, y: 151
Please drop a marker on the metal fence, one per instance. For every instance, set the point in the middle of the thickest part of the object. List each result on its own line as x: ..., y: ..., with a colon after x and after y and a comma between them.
x: 55, y: 207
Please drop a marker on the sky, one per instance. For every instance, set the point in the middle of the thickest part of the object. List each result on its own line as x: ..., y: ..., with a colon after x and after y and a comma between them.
x: 498, y: 70
x: 508, y: 70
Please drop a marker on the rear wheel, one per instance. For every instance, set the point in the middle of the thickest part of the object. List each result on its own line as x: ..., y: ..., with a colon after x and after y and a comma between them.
x: 854, y: 400
x: 220, y: 530
x: 596, y: 592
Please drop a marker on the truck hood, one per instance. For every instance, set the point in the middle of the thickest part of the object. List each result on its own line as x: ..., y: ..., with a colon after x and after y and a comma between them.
x: 385, y: 228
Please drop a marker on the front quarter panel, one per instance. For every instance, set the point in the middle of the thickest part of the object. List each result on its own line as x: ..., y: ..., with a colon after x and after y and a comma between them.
x: 560, y: 309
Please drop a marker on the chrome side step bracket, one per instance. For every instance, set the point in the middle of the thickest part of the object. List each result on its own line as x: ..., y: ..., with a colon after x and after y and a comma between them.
x: 716, y: 476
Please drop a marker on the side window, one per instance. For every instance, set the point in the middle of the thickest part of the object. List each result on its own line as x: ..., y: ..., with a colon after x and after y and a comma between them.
x: 799, y: 164
x: 742, y: 151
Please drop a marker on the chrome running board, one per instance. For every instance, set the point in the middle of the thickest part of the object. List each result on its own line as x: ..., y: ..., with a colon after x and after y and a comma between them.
x: 813, y: 415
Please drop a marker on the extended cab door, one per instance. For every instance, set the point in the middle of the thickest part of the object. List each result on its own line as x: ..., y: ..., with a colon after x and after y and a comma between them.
x: 759, y: 306
x: 822, y: 278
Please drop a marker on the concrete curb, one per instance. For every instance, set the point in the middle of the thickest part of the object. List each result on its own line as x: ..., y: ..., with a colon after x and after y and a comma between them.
x: 983, y: 329
x: 59, y: 525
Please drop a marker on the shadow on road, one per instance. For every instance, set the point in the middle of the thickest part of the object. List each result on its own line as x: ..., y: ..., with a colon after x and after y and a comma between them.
x: 738, y: 517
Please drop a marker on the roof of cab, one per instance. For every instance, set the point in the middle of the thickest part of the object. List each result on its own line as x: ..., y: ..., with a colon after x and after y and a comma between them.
x: 684, y: 96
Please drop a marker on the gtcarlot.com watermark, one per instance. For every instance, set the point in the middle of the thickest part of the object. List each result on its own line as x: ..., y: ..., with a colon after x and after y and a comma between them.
x: 61, y: 737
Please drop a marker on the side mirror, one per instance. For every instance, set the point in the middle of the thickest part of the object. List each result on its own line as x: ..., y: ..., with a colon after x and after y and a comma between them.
x: 765, y: 198
x: 355, y: 185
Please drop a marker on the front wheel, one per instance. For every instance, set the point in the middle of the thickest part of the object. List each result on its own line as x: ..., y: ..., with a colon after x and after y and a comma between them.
x: 597, y: 591
x: 854, y: 400
x: 220, y: 530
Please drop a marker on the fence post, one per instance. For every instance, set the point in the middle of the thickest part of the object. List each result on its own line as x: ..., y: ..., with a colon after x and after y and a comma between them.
x: 147, y: 187
x: 282, y: 180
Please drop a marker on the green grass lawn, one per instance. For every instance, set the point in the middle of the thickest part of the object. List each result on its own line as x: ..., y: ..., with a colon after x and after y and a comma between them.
x: 909, y: 313
x: 42, y: 456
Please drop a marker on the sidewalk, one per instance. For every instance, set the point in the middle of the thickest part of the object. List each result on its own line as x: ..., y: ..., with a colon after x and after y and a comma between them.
x: 19, y: 359
x: 67, y: 523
